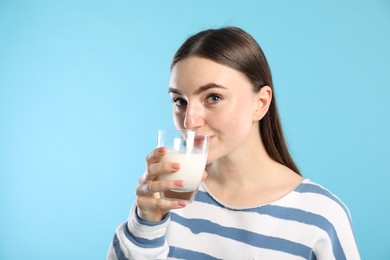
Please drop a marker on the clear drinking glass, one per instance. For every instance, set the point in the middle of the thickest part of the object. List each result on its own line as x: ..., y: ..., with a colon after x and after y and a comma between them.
x: 190, y: 149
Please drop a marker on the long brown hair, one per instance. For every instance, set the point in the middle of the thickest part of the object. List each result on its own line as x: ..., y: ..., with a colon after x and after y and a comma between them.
x: 235, y: 48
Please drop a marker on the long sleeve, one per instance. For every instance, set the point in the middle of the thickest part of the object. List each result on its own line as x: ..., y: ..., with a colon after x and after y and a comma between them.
x: 137, y: 239
x: 308, y: 223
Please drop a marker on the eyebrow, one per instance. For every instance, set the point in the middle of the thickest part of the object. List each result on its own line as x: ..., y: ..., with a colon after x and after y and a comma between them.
x: 199, y: 90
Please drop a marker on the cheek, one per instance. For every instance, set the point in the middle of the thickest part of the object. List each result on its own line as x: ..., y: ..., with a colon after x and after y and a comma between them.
x: 231, y: 130
x: 235, y: 125
x: 238, y: 116
x: 231, y: 124
x: 178, y: 120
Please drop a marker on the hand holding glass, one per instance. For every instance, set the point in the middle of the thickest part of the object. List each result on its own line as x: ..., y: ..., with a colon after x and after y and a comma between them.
x: 189, y: 149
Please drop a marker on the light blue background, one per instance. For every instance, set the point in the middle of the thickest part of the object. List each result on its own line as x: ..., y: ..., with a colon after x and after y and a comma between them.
x: 83, y: 90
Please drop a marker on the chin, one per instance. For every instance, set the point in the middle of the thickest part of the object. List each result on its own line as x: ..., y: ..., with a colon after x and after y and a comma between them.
x: 210, y: 158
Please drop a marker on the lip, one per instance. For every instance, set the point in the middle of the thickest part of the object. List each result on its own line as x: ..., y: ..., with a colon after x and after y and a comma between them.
x: 199, y: 140
x: 202, y: 137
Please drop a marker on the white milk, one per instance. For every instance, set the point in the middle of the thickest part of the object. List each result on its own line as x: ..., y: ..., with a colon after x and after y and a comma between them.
x: 191, y: 169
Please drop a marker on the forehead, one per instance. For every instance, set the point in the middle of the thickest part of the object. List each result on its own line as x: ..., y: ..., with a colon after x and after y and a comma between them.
x: 197, y: 71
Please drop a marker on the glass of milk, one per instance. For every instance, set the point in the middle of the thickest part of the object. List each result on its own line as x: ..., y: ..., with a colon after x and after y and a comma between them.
x: 188, y: 148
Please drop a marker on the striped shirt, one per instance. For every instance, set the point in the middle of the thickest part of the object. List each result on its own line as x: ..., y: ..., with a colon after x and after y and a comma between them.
x: 307, y: 223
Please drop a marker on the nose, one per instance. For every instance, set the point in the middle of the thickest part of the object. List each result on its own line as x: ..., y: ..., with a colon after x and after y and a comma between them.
x: 193, y: 117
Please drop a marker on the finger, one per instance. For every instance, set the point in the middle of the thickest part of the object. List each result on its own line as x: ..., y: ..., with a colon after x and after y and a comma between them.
x: 146, y: 204
x: 157, y: 186
x: 205, y: 174
x: 142, y: 179
x: 144, y: 189
x: 156, y: 155
x: 156, y: 169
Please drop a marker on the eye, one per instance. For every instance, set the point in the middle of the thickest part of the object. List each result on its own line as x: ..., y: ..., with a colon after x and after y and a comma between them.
x: 179, y: 101
x: 213, y: 98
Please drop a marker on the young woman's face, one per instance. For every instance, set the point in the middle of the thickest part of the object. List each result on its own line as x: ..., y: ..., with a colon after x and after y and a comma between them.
x: 215, y: 99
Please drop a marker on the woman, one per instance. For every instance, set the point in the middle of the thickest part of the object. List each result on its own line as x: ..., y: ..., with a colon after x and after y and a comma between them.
x: 254, y: 203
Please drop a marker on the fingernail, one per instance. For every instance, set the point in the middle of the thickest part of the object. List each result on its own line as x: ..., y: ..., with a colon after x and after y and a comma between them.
x: 182, y: 203
x: 179, y: 183
x: 161, y: 150
x: 175, y: 166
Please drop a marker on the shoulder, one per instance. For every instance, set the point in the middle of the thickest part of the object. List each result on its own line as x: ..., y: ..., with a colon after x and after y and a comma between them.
x: 317, y: 201
x: 328, y: 212
x: 312, y: 191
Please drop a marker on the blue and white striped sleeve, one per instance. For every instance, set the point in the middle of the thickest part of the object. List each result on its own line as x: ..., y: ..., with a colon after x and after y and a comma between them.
x: 137, y: 239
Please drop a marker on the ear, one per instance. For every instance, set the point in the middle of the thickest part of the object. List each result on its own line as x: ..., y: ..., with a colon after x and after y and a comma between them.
x: 262, y: 103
